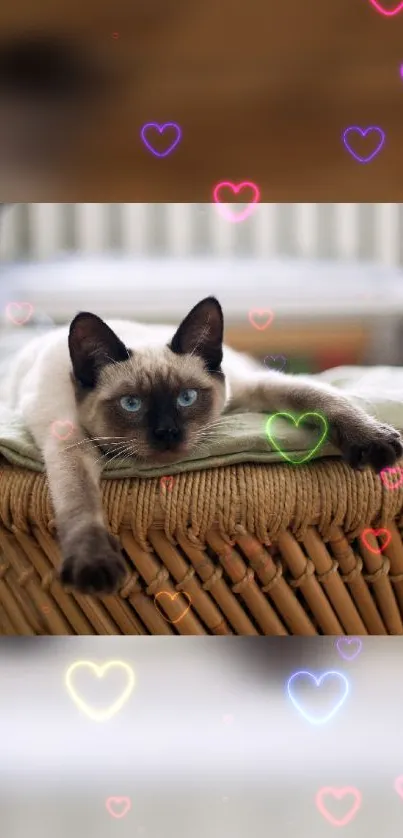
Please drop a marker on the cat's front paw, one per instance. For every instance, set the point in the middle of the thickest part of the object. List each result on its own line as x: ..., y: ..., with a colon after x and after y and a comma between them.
x: 375, y: 445
x: 93, y: 563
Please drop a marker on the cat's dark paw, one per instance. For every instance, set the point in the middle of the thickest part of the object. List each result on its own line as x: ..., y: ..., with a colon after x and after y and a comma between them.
x: 93, y: 563
x: 375, y: 445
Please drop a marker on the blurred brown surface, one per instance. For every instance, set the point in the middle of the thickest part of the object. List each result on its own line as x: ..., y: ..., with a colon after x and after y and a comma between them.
x: 261, y: 89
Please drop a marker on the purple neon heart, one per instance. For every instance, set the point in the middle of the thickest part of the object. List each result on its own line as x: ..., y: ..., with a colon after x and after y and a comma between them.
x: 275, y: 358
x: 353, y: 642
x: 364, y: 132
x: 161, y: 129
x: 319, y: 682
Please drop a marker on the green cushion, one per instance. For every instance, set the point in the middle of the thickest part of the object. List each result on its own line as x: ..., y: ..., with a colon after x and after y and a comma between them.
x: 242, y: 438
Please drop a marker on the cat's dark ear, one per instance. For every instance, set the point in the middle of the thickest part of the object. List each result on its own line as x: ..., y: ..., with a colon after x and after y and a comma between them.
x: 92, y: 345
x: 201, y: 333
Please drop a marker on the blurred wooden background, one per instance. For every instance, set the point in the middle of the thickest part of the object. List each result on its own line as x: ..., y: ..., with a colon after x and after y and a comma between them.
x: 262, y: 90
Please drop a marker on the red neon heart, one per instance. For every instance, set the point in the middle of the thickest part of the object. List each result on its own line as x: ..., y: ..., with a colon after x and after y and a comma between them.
x: 261, y: 312
x: 167, y: 483
x: 338, y: 794
x: 376, y: 533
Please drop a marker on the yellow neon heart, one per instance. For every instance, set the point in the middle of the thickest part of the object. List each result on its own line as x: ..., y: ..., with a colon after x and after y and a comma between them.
x: 100, y: 715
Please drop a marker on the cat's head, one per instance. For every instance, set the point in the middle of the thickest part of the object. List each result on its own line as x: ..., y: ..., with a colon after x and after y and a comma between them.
x: 157, y: 401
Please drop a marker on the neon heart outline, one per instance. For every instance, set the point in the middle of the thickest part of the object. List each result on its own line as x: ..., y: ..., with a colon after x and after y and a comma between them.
x: 19, y: 305
x: 384, y: 477
x: 318, y: 682
x: 376, y: 533
x: 172, y: 597
x: 100, y: 715
x: 348, y: 640
x: 273, y: 358
x: 310, y: 453
x: 386, y: 12
x: 167, y: 482
x: 338, y: 794
x: 227, y: 214
x: 109, y: 802
x: 253, y: 311
x: 160, y: 127
x: 62, y: 422
x: 364, y: 132
x: 398, y: 785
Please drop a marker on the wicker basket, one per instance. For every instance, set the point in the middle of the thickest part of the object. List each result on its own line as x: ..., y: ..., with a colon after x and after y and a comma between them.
x: 247, y: 549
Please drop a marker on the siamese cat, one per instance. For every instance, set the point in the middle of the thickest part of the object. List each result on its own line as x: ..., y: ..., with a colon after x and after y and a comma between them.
x: 154, y: 394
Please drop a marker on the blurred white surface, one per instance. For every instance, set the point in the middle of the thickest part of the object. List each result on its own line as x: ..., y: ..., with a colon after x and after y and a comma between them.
x: 362, y: 232
x: 207, y: 745
x: 164, y: 289
x: 153, y: 262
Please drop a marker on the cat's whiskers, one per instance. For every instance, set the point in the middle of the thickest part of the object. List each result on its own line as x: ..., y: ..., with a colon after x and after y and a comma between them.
x: 125, y: 454
x: 205, y: 434
x: 202, y: 448
x: 92, y: 440
x: 127, y: 449
x: 213, y: 424
x: 105, y: 456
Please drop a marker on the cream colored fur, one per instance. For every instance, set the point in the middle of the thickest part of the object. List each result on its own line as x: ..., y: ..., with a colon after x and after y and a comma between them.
x: 40, y: 388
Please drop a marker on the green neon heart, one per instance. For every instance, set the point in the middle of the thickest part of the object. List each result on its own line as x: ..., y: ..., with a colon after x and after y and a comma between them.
x: 296, y: 422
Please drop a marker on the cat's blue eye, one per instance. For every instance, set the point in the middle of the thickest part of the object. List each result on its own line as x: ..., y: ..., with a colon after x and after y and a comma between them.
x: 130, y: 403
x: 187, y: 397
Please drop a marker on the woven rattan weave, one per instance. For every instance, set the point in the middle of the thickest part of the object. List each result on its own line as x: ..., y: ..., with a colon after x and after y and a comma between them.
x: 247, y: 549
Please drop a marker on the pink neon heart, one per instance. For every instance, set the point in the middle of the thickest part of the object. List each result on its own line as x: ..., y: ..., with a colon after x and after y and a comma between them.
x: 261, y: 312
x: 386, y: 12
x: 230, y: 215
x: 376, y: 550
x: 13, y: 308
x: 228, y: 719
x: 118, y: 807
x: 62, y: 430
x: 387, y: 483
x: 338, y: 794
x: 398, y: 784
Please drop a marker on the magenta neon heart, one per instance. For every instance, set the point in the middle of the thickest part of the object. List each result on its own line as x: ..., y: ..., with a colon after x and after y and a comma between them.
x: 386, y: 12
x: 161, y: 129
x: 364, y: 132
x: 230, y: 215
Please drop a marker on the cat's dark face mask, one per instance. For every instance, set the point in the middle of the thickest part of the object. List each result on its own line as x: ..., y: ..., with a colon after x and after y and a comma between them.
x: 155, y: 405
